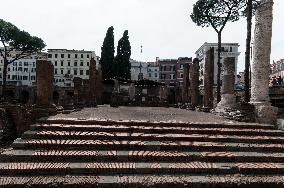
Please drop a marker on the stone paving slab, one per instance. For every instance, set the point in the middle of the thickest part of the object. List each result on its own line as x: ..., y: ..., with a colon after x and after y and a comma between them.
x: 85, y: 135
x: 144, y: 145
x: 111, y: 168
x: 158, y: 129
x: 161, y: 181
x: 138, y: 155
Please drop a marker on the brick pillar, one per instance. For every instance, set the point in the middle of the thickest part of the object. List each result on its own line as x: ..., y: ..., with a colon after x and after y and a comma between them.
x: 260, y: 70
x: 44, y: 74
x: 92, y: 81
x: 209, y: 79
x: 194, y: 85
x: 185, y: 83
x: 228, y: 98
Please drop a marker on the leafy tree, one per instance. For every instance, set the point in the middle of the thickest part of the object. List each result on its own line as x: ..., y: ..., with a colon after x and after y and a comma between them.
x: 251, y: 6
x: 216, y: 13
x: 107, y: 55
x: 122, y: 63
x: 16, y: 44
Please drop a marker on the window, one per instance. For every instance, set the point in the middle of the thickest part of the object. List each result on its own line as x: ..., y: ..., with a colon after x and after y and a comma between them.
x: 76, y: 56
x: 181, y: 66
x: 55, y: 71
x: 172, y: 68
x: 172, y: 76
x: 68, y: 71
x: 75, y: 72
x: 56, y: 55
x: 14, y: 77
x: 68, y: 63
x: 88, y: 56
x: 25, y: 78
x: 87, y: 72
x: 81, y: 63
x: 163, y: 76
x: 156, y: 75
x: 49, y: 55
x: 55, y: 63
x: 69, y: 56
x: 20, y: 63
x: 62, y: 63
x: 33, y: 64
x: 164, y: 68
x: 181, y: 75
x: 62, y: 55
x: 75, y: 64
x: 82, y: 55
x: 88, y: 63
x: 33, y: 77
x: 62, y: 71
x: 8, y: 76
x: 231, y: 49
x: 15, y: 64
x: 149, y: 70
x: 26, y: 64
x: 81, y: 72
x: 20, y: 69
x: 25, y: 69
x: 150, y: 75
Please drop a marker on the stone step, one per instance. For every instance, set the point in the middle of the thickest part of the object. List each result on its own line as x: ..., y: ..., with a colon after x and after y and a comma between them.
x: 144, y: 181
x: 137, y: 156
x: 130, y: 168
x: 157, y: 129
x: 143, y: 145
x: 82, y: 121
x: 88, y: 135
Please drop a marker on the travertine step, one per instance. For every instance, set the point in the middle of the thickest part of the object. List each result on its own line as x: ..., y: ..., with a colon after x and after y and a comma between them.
x: 158, y: 129
x: 87, y: 135
x: 160, y: 123
x: 137, y: 156
x: 145, y: 181
x: 143, y: 145
x: 128, y: 168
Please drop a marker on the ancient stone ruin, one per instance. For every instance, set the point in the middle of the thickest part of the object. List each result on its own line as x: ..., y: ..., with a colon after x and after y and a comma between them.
x: 194, y: 84
x: 260, y: 69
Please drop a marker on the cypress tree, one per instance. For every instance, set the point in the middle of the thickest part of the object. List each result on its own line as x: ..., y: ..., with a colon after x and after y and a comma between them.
x: 122, y: 63
x: 107, y: 55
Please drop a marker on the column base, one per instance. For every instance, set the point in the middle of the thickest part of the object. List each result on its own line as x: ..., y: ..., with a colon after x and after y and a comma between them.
x: 227, y: 101
x: 266, y: 114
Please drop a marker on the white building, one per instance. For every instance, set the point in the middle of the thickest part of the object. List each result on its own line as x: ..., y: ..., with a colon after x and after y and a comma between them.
x: 228, y: 50
x: 153, y: 71
x: 21, y: 72
x: 138, y: 70
x: 69, y: 64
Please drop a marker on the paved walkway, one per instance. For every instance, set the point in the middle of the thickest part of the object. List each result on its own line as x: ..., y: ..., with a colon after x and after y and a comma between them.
x: 151, y: 114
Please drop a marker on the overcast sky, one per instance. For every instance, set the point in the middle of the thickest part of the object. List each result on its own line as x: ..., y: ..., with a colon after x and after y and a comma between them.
x: 163, y: 27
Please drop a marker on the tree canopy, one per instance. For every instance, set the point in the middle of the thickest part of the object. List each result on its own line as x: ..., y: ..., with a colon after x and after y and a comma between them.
x: 122, y: 64
x: 18, y: 42
x: 217, y: 13
x: 107, y: 55
x: 13, y: 39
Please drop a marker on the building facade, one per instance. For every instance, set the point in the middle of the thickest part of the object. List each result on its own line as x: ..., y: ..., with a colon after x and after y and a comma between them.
x: 69, y: 64
x: 21, y: 72
x: 153, y: 71
x: 228, y: 50
x: 138, y: 70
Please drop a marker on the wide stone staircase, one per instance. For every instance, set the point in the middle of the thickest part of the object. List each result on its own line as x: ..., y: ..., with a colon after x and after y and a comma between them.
x: 88, y: 153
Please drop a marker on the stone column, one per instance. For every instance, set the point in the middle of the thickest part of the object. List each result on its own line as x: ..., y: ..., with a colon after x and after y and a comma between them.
x: 260, y: 70
x: 228, y: 98
x: 208, y: 80
x: 44, y: 74
x: 92, y: 81
x: 194, y: 84
x: 185, y: 83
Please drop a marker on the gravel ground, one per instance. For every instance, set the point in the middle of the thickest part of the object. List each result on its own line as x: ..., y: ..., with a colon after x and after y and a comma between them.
x: 144, y: 114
